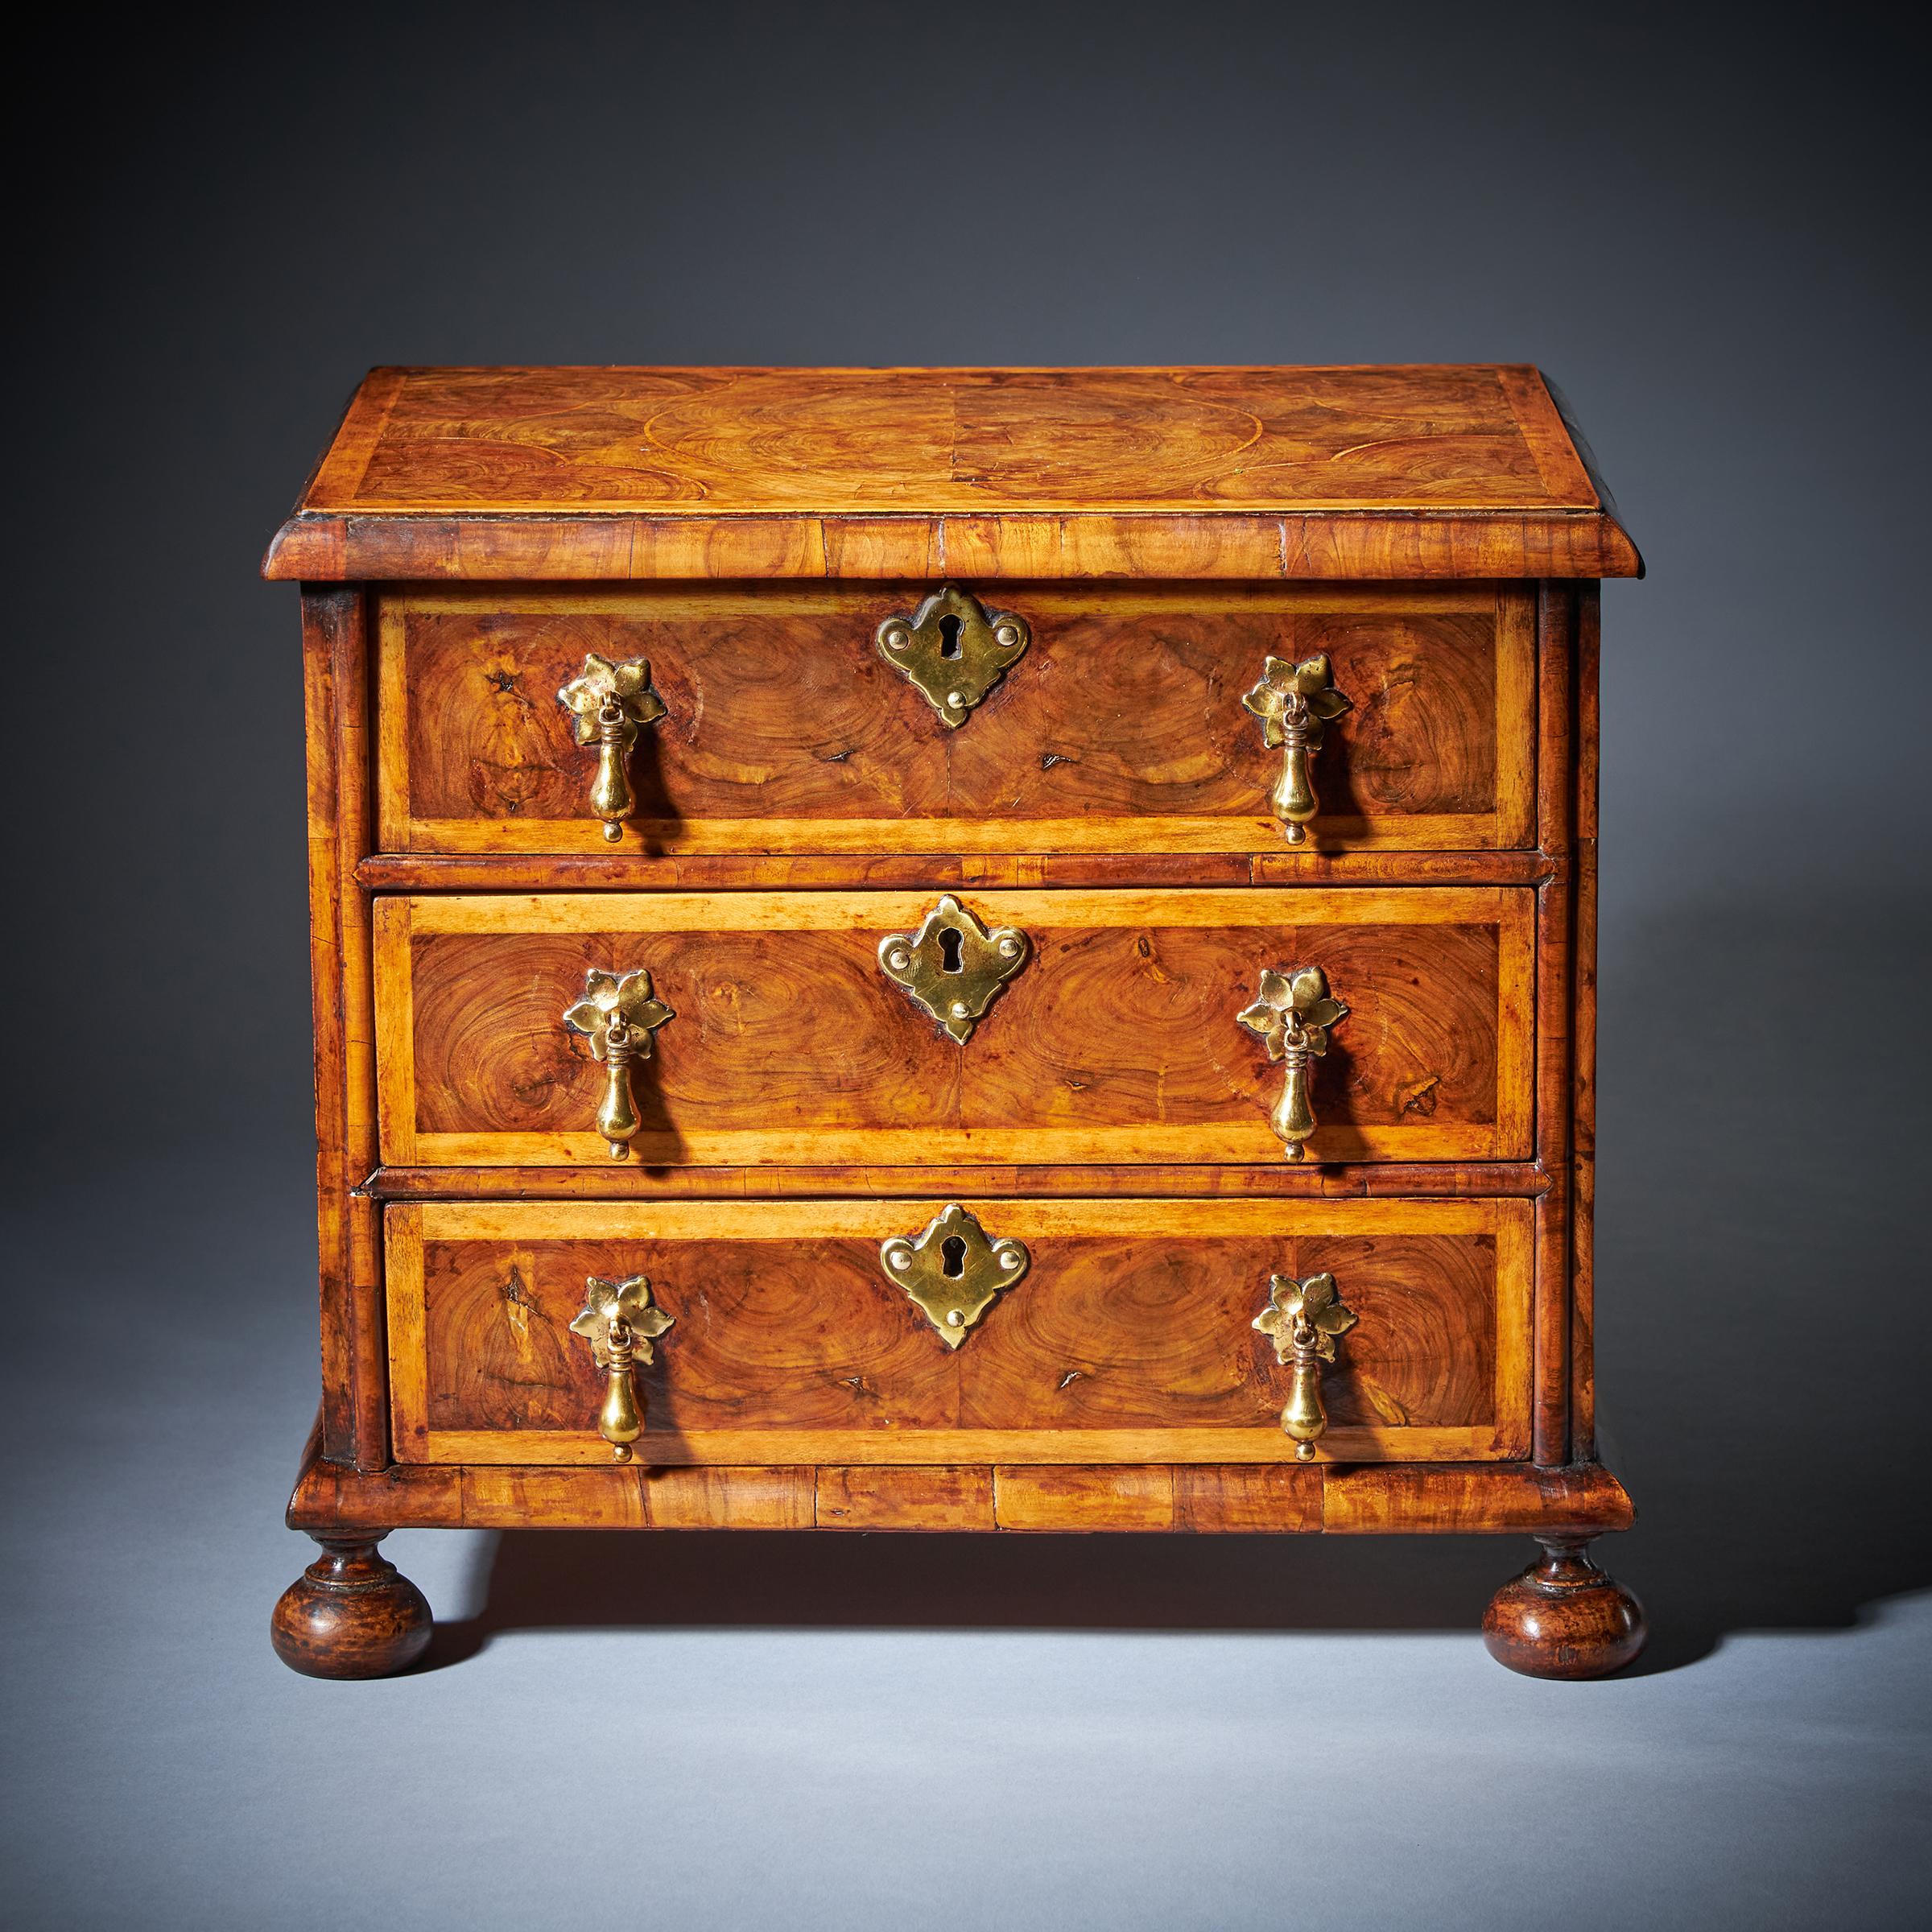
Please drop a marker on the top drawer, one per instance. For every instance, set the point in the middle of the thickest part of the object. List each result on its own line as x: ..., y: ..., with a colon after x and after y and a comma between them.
x: 1118, y: 727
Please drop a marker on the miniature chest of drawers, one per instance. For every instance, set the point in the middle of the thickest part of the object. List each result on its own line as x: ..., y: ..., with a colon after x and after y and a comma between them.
x: 987, y: 949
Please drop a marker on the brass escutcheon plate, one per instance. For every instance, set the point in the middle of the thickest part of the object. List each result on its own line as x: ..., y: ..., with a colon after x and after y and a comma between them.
x: 953, y: 650
x: 953, y: 1271
x: 952, y: 966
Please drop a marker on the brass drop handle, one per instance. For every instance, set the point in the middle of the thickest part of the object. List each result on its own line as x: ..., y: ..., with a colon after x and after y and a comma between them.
x: 618, y: 1016
x: 1304, y: 1319
x: 1295, y: 703
x: 1293, y: 1016
x: 618, y: 1115
x: 620, y: 1323
x: 608, y: 704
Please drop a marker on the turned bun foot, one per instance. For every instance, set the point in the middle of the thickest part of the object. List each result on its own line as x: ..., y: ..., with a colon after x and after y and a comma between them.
x: 351, y: 1613
x: 1564, y: 1617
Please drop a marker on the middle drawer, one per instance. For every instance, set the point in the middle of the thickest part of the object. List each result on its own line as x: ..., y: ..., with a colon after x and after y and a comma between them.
x: 815, y: 1027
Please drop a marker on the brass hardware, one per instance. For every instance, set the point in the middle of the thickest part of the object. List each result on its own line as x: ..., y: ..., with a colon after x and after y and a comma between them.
x: 619, y: 1322
x: 953, y: 1271
x: 1293, y: 1017
x: 1293, y: 703
x: 618, y: 1016
x: 953, y: 650
x: 1303, y: 1320
x: 608, y: 703
x: 952, y: 966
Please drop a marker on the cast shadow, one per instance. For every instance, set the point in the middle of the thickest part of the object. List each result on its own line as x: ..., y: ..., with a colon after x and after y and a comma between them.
x: 1761, y: 1333
x: 1762, y: 1320
x: 577, y: 1579
x: 651, y: 804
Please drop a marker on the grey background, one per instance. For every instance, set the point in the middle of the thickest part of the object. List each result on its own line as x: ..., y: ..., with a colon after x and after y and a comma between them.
x: 1708, y: 228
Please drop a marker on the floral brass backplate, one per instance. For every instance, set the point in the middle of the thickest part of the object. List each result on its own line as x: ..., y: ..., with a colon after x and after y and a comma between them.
x: 624, y: 1000
x: 1308, y: 1314
x: 952, y: 966
x: 622, y: 1312
x: 600, y: 685
x: 1295, y: 1009
x: 953, y: 1271
x: 953, y: 650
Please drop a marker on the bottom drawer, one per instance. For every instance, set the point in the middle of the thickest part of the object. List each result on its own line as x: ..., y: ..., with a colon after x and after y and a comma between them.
x: 1123, y: 1333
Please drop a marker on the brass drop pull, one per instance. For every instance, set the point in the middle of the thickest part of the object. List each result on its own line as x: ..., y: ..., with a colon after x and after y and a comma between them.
x: 1294, y: 702
x: 1304, y: 1319
x: 608, y: 704
x: 618, y: 1016
x: 1292, y: 1016
x: 620, y: 1323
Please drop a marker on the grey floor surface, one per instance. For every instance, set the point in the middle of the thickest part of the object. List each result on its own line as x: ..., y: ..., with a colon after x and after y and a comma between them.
x: 705, y: 1732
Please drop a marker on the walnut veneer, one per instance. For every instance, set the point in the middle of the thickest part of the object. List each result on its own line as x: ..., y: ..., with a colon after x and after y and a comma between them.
x: 1430, y: 539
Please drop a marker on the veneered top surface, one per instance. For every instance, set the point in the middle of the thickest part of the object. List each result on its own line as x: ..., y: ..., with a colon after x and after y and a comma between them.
x: 744, y: 441
x: 700, y: 447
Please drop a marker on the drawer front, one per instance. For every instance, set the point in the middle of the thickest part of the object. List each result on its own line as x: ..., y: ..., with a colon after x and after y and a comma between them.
x: 1117, y: 1039
x: 1128, y: 1338
x: 1120, y: 729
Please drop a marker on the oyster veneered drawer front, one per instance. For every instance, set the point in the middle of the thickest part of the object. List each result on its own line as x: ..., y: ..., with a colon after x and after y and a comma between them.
x: 924, y: 717
x: 1180, y: 1026
x: 1122, y: 1332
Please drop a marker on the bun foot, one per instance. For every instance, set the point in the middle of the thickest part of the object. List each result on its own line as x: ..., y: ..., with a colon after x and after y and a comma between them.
x: 351, y: 1613
x: 1564, y: 1617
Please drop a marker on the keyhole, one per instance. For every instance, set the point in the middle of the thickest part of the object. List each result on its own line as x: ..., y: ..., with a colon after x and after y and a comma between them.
x: 949, y: 635
x: 953, y: 1256
x: 949, y: 951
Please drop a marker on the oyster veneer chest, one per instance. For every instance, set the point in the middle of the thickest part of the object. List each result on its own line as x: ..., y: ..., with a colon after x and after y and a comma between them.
x: 967, y: 949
